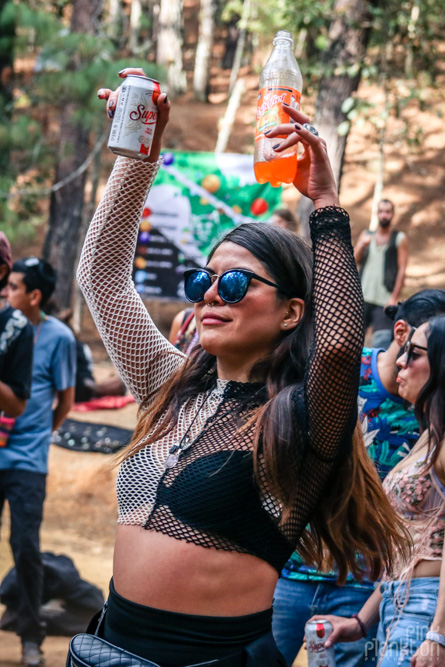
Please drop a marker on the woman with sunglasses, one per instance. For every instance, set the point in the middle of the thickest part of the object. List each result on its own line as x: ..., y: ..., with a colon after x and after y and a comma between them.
x: 243, y: 443
x: 411, y: 602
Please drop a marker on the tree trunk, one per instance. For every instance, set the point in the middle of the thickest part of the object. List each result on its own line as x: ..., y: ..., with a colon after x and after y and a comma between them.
x: 88, y: 213
x: 169, y: 46
x: 241, y: 43
x: 135, y: 21
x: 203, y: 57
x: 6, y: 83
x: 229, y: 116
x: 348, y: 40
x: 114, y: 19
x: 66, y: 205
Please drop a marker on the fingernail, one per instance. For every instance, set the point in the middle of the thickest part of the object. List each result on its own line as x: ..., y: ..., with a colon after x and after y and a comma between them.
x: 267, y: 132
x: 122, y: 71
x: 111, y: 104
x: 276, y: 146
x: 111, y: 113
x: 327, y: 643
x: 100, y: 92
x: 166, y: 99
x: 298, y: 126
x: 285, y: 104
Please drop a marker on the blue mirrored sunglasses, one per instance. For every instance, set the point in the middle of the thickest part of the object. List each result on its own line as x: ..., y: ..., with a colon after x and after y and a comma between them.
x: 232, y: 284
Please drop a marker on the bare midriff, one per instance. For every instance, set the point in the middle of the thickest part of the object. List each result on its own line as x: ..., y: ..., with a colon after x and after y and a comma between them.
x: 159, y: 571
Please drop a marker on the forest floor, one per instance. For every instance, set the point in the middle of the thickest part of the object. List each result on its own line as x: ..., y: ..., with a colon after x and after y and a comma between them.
x: 80, y: 508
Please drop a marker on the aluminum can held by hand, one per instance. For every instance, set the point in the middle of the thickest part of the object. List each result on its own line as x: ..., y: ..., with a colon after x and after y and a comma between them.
x: 135, y: 117
x: 316, y: 633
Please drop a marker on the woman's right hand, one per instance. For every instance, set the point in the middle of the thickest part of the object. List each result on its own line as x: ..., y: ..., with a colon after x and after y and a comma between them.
x: 314, y: 177
x: 112, y: 96
x: 343, y: 629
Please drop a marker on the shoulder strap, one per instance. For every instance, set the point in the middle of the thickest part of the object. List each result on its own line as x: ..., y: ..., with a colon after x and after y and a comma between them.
x: 186, y: 316
x: 187, y: 319
x: 393, y: 238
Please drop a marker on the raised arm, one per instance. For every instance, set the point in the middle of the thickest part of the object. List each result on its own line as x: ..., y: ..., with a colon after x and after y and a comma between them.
x: 143, y: 357
x: 327, y: 406
x: 332, y: 376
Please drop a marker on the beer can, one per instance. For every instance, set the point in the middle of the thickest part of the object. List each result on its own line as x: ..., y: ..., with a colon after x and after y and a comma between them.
x: 316, y: 633
x: 135, y: 117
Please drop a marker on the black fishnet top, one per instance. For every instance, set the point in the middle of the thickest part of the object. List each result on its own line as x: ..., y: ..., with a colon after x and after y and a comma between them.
x: 211, y: 498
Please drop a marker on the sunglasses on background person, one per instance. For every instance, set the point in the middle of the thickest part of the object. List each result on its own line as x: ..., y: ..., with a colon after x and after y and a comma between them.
x: 409, y: 347
x: 232, y: 284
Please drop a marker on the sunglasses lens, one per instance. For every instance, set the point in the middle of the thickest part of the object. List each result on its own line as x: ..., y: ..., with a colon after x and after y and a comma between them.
x: 196, y: 285
x: 233, y: 286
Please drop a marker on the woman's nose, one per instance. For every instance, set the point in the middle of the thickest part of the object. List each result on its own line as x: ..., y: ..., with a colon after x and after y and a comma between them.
x: 402, y: 361
x: 212, y: 293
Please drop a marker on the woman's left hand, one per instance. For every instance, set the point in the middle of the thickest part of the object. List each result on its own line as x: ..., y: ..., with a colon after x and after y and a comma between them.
x: 429, y: 654
x: 314, y: 177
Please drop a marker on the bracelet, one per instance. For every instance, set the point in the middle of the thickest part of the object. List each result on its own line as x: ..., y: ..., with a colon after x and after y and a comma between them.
x: 361, y: 624
x: 435, y: 637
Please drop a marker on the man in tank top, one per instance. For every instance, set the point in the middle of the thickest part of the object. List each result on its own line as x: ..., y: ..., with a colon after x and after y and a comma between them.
x: 382, y: 257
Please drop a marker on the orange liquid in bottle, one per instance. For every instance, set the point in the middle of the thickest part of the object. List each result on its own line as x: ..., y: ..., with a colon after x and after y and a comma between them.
x: 280, y: 88
x: 278, y: 171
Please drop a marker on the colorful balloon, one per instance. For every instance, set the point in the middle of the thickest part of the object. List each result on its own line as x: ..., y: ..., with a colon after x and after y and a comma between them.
x: 140, y: 276
x: 169, y: 158
x: 144, y: 237
x: 211, y: 183
x: 259, y: 206
x: 140, y: 263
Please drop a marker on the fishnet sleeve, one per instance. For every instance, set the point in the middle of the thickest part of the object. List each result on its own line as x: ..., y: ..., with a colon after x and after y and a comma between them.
x: 143, y: 357
x: 332, y: 375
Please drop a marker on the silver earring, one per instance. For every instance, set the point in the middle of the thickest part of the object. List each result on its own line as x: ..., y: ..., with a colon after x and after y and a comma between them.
x: 285, y: 324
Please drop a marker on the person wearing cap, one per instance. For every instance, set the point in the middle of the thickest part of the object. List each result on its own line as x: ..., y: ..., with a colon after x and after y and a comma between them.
x: 24, y: 462
x: 15, y: 353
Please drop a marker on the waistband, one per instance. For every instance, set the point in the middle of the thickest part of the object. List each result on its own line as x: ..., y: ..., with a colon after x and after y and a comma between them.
x: 170, y: 637
x: 416, y: 585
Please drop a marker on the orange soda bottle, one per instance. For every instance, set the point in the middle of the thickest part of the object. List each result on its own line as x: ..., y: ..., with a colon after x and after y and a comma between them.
x: 280, y: 81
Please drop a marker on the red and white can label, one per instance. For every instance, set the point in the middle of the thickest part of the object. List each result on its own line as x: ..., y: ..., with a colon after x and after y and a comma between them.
x: 135, y: 118
x: 316, y: 633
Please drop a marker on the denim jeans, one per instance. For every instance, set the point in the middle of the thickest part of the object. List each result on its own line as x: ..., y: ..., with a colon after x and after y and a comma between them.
x: 296, y: 601
x: 25, y: 493
x: 400, y: 636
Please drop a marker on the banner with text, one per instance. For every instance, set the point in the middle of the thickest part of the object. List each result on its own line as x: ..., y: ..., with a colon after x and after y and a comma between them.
x: 196, y: 199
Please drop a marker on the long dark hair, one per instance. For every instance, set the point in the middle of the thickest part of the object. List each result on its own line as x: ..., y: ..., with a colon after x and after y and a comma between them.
x: 355, y: 504
x: 430, y: 404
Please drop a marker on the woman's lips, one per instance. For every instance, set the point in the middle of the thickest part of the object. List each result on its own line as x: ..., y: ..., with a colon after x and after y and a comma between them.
x: 212, y: 318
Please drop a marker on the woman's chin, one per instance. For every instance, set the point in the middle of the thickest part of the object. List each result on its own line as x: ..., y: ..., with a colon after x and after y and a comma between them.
x: 405, y: 394
x: 215, y: 342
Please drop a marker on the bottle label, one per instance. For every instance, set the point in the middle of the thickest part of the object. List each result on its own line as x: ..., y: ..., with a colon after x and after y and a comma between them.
x: 270, y: 111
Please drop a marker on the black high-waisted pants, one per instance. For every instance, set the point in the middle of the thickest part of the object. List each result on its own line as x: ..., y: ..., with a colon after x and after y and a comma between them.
x: 177, y: 640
